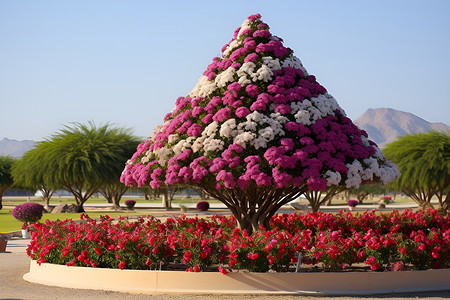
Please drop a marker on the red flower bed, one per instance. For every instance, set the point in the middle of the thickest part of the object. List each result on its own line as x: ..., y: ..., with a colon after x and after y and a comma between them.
x: 383, y: 242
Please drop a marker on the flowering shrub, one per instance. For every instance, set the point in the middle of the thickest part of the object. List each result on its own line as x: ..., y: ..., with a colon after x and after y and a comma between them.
x: 255, y: 123
x: 203, y: 205
x: 414, y: 240
x: 28, y: 212
x: 386, y: 199
x: 352, y: 203
x: 130, y: 203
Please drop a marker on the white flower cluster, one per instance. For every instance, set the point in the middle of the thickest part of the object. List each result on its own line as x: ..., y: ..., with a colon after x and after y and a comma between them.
x: 333, y: 178
x: 163, y: 155
x: 385, y: 170
x: 203, y: 88
x: 234, y: 44
x: 304, y: 112
x: 353, y: 174
x: 326, y: 104
x: 244, y: 72
x: 273, y: 64
x: 226, y: 76
x: 293, y: 62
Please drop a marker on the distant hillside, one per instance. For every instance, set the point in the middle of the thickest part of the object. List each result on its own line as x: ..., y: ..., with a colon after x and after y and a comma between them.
x: 15, y: 148
x: 385, y: 125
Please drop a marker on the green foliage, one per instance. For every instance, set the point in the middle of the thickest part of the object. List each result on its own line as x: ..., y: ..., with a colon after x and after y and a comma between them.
x: 80, y: 159
x: 6, y: 163
x: 424, y: 161
x: 6, y: 179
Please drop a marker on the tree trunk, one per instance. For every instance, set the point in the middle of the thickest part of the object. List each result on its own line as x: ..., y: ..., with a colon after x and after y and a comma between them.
x: 113, y: 193
x: 165, y: 199
x: 1, y: 201
x: 254, y: 206
x: 315, y: 197
x: 81, y: 193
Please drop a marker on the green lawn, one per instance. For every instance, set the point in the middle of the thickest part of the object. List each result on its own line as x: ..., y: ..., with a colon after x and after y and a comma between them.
x: 59, y: 200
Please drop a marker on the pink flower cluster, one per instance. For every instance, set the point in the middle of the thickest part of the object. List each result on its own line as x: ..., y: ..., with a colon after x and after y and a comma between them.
x: 302, y: 141
x: 407, y: 240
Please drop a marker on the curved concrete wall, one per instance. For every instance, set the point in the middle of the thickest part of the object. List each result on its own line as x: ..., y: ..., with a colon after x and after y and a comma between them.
x: 164, y: 282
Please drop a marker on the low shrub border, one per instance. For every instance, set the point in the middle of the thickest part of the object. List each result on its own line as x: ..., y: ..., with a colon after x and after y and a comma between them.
x: 331, y: 242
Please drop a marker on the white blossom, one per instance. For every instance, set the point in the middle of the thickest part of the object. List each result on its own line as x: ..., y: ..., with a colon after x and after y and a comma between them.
x: 273, y: 64
x: 293, y: 62
x: 172, y: 138
x: 226, y: 76
x: 245, y: 25
x: 353, y: 174
x: 163, y: 154
x: 228, y: 129
x: 243, y: 138
x: 230, y: 48
x: 203, y: 88
x: 213, y: 145
x: 333, y: 178
x: 264, y: 73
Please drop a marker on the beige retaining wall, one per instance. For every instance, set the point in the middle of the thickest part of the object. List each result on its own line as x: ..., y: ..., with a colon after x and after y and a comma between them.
x: 165, y: 282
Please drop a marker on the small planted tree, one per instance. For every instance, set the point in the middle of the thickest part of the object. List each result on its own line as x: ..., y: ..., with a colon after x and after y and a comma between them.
x: 6, y: 179
x: 81, y: 159
x: 256, y: 132
x: 424, y: 161
x: 29, y: 172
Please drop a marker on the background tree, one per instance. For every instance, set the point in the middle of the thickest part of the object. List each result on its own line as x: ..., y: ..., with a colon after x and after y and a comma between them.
x: 6, y: 179
x: 84, y: 159
x: 29, y: 172
x: 125, y: 145
x: 424, y: 161
x: 318, y: 198
x: 256, y: 132
x: 364, y: 191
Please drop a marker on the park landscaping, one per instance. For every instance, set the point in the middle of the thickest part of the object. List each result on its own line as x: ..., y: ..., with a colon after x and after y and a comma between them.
x: 256, y: 132
x: 327, y: 242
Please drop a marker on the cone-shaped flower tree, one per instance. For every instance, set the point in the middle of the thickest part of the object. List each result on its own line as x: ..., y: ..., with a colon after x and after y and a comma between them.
x: 256, y: 132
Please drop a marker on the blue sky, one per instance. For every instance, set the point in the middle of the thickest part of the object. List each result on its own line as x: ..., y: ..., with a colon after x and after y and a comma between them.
x: 126, y: 62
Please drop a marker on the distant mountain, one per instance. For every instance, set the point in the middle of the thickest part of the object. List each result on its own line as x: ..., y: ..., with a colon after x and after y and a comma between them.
x: 15, y: 148
x: 385, y: 125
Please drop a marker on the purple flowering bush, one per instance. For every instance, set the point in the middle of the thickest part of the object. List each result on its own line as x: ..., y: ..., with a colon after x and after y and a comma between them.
x: 28, y: 212
x: 352, y: 203
x: 257, y: 130
x: 130, y: 203
x: 203, y: 205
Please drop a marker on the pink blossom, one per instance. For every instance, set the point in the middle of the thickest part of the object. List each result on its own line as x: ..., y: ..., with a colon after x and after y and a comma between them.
x: 249, y: 44
x: 247, y: 31
x: 194, y: 130
x: 207, y: 119
x: 235, y: 87
x: 197, y: 111
x: 252, y: 90
x: 258, y: 105
x: 254, y: 17
x: 262, y: 33
x: 238, y: 53
x: 263, y: 25
x: 242, y: 112
x: 316, y: 184
x: 222, y: 114
x: 287, y: 143
x: 252, y: 57
x: 282, y: 108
